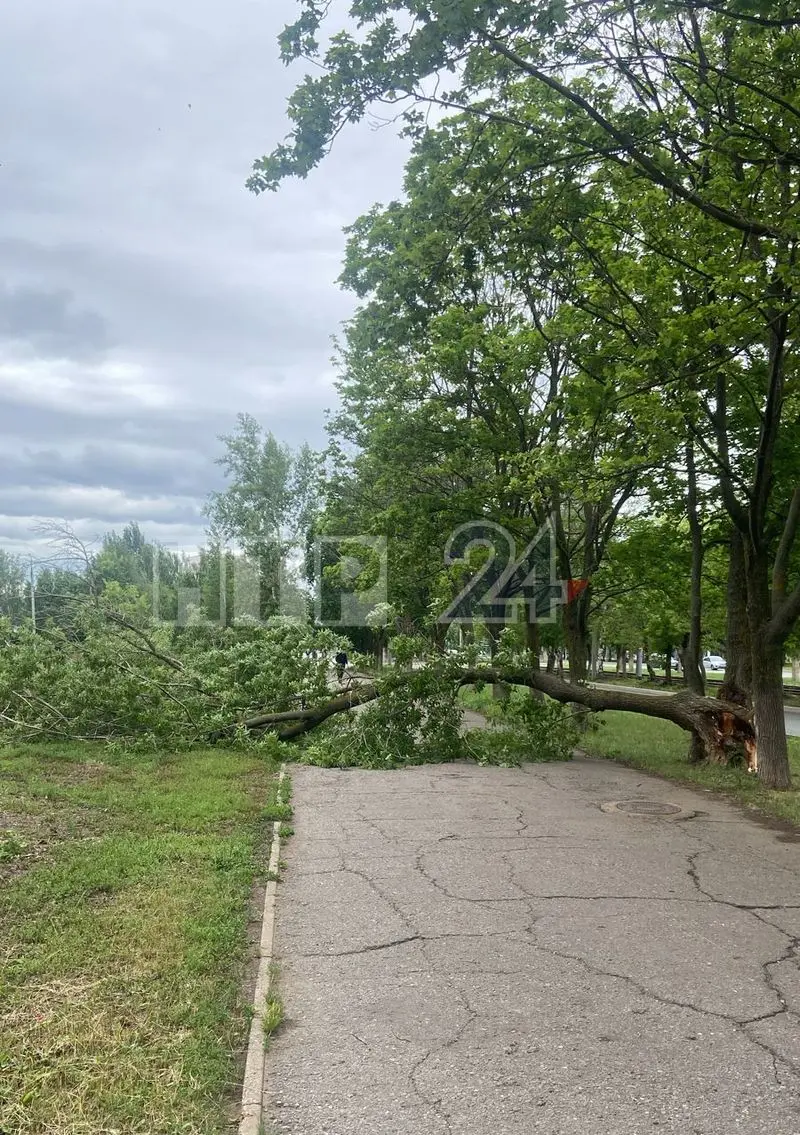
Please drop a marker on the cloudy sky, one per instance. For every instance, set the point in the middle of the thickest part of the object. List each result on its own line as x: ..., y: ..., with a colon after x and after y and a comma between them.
x: 145, y: 296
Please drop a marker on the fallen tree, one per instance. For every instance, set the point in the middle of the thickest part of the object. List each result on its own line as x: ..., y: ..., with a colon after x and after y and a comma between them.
x: 112, y: 676
x: 718, y: 728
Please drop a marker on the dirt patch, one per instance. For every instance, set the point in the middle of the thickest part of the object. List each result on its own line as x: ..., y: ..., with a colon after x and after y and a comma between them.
x: 83, y: 772
x: 31, y: 837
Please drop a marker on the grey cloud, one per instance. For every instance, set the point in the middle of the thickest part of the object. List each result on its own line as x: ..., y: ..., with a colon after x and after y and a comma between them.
x: 108, y: 506
x: 50, y: 322
x: 147, y: 469
x: 23, y: 535
x: 145, y: 296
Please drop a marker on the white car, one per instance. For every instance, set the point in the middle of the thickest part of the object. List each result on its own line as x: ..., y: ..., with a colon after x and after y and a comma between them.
x: 713, y: 662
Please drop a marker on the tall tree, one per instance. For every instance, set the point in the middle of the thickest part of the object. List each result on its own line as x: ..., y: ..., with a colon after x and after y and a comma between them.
x: 695, y: 103
x: 267, y: 506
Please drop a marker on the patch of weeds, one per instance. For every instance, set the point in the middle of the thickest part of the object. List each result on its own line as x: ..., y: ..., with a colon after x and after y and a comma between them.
x: 273, y: 1017
x: 285, y: 831
x: 277, y: 805
x: 11, y: 846
x: 276, y: 811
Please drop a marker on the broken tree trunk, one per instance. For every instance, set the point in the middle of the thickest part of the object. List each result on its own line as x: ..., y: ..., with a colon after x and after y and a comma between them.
x: 717, y: 724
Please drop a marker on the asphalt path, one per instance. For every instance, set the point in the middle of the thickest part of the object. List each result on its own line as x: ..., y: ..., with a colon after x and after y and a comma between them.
x: 484, y: 951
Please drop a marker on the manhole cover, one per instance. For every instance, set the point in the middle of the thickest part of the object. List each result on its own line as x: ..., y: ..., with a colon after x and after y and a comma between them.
x: 647, y: 807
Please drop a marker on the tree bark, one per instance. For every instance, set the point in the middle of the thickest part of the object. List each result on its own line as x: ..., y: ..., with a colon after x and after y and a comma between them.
x: 767, y: 681
x: 301, y: 721
x: 576, y: 632
x: 692, y: 666
x: 595, y: 648
x: 719, y: 726
x: 737, y: 684
x: 770, y: 724
x: 533, y: 643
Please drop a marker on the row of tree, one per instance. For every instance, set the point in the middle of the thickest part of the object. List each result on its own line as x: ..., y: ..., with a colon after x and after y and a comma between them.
x: 585, y: 307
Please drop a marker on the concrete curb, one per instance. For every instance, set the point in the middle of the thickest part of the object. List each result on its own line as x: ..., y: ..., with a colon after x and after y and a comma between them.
x: 251, y: 1122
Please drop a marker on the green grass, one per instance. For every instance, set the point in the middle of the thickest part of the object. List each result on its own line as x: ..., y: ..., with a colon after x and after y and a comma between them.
x: 661, y: 747
x: 483, y: 700
x: 124, y: 895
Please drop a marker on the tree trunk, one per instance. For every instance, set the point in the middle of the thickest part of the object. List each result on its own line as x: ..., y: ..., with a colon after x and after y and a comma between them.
x: 697, y: 749
x: 668, y: 665
x: 593, y: 666
x: 770, y: 724
x: 639, y: 661
x: 494, y: 630
x: 796, y: 669
x: 692, y: 665
x: 717, y: 724
x: 767, y: 679
x: 736, y: 686
x: 533, y: 643
x: 576, y: 632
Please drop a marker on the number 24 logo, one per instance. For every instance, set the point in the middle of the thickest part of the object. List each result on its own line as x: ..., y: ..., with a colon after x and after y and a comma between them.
x: 505, y: 580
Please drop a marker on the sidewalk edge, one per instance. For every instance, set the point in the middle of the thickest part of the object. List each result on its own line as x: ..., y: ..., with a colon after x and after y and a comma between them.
x: 251, y: 1122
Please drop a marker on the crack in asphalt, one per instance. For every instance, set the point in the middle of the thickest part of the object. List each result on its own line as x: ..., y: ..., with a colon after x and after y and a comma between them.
x: 740, y: 1024
x: 402, y: 942
x: 434, y: 882
x: 505, y: 872
x: 471, y: 1017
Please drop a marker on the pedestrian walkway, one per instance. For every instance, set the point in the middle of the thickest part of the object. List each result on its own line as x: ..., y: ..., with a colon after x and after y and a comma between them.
x: 571, y: 949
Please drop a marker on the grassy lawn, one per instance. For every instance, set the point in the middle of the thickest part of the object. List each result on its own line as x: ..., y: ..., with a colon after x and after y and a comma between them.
x: 125, y: 883
x: 660, y: 747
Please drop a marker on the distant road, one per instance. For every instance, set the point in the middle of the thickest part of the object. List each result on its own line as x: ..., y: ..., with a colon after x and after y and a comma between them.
x: 791, y: 714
